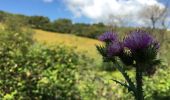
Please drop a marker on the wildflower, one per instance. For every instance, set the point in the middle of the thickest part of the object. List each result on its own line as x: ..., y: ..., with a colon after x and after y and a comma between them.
x: 108, y: 37
x: 143, y: 46
x: 114, y: 49
x: 139, y: 40
x: 139, y: 50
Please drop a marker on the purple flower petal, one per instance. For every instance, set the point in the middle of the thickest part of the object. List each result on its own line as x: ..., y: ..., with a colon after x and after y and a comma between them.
x: 114, y: 49
x: 138, y: 40
x: 108, y: 37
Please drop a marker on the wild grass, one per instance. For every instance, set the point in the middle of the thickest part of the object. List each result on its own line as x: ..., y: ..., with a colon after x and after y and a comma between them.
x: 81, y: 44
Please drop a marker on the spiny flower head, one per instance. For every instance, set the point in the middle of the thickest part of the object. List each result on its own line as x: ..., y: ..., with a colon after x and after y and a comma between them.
x: 138, y: 40
x: 108, y: 37
x: 114, y: 49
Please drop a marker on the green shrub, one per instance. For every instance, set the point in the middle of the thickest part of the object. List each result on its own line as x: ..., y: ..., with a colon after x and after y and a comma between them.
x: 158, y: 88
x: 40, y: 73
x: 29, y: 71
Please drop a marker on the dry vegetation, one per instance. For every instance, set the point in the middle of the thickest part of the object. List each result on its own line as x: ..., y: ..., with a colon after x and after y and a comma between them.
x: 80, y: 43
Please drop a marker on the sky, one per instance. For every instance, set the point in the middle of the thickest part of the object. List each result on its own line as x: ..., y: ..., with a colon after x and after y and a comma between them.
x: 53, y: 9
x: 86, y: 11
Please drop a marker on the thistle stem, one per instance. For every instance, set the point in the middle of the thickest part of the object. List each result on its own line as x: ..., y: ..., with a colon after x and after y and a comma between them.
x: 139, y: 93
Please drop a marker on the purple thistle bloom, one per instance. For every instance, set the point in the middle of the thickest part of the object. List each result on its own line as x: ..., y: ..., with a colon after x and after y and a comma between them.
x: 108, y: 37
x: 114, y: 49
x: 139, y: 40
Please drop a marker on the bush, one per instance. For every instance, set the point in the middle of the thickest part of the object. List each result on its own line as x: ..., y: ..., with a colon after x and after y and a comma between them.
x: 158, y: 88
x: 40, y: 73
x: 36, y: 72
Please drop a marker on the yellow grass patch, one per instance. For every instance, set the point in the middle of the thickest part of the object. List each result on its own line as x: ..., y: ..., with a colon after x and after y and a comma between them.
x: 82, y: 44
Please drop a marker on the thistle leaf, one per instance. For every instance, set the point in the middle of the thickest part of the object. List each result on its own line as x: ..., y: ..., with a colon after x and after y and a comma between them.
x: 101, y: 49
x: 126, y: 76
x: 123, y: 84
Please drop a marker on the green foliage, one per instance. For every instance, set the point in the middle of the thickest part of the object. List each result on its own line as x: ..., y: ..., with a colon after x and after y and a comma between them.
x: 38, y: 22
x: 36, y: 72
x: 62, y: 25
x: 40, y: 73
x: 158, y: 87
x: 13, y: 25
x: 87, y: 30
x: 2, y: 16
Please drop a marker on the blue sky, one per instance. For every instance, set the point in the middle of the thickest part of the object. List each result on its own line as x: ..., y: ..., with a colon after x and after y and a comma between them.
x: 53, y: 10
x: 86, y: 11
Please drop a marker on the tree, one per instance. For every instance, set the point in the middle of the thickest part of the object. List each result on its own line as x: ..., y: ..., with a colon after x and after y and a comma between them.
x: 62, y: 25
x: 79, y: 29
x: 2, y: 16
x: 88, y: 30
x: 38, y: 21
x: 155, y: 15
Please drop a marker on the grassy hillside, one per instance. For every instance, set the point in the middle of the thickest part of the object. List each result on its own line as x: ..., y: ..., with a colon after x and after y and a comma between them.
x: 82, y: 44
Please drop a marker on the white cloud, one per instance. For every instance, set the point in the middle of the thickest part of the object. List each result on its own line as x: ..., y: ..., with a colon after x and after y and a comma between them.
x: 48, y: 1
x: 100, y: 10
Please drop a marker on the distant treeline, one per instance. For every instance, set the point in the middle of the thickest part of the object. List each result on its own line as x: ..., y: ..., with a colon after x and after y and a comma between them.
x: 63, y: 25
x: 59, y: 25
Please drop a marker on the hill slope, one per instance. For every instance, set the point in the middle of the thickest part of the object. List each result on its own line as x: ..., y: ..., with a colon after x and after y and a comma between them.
x: 82, y: 44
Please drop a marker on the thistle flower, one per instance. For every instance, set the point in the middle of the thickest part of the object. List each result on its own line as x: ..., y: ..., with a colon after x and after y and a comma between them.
x: 141, y: 53
x: 139, y: 40
x: 108, y: 37
x: 114, y: 49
